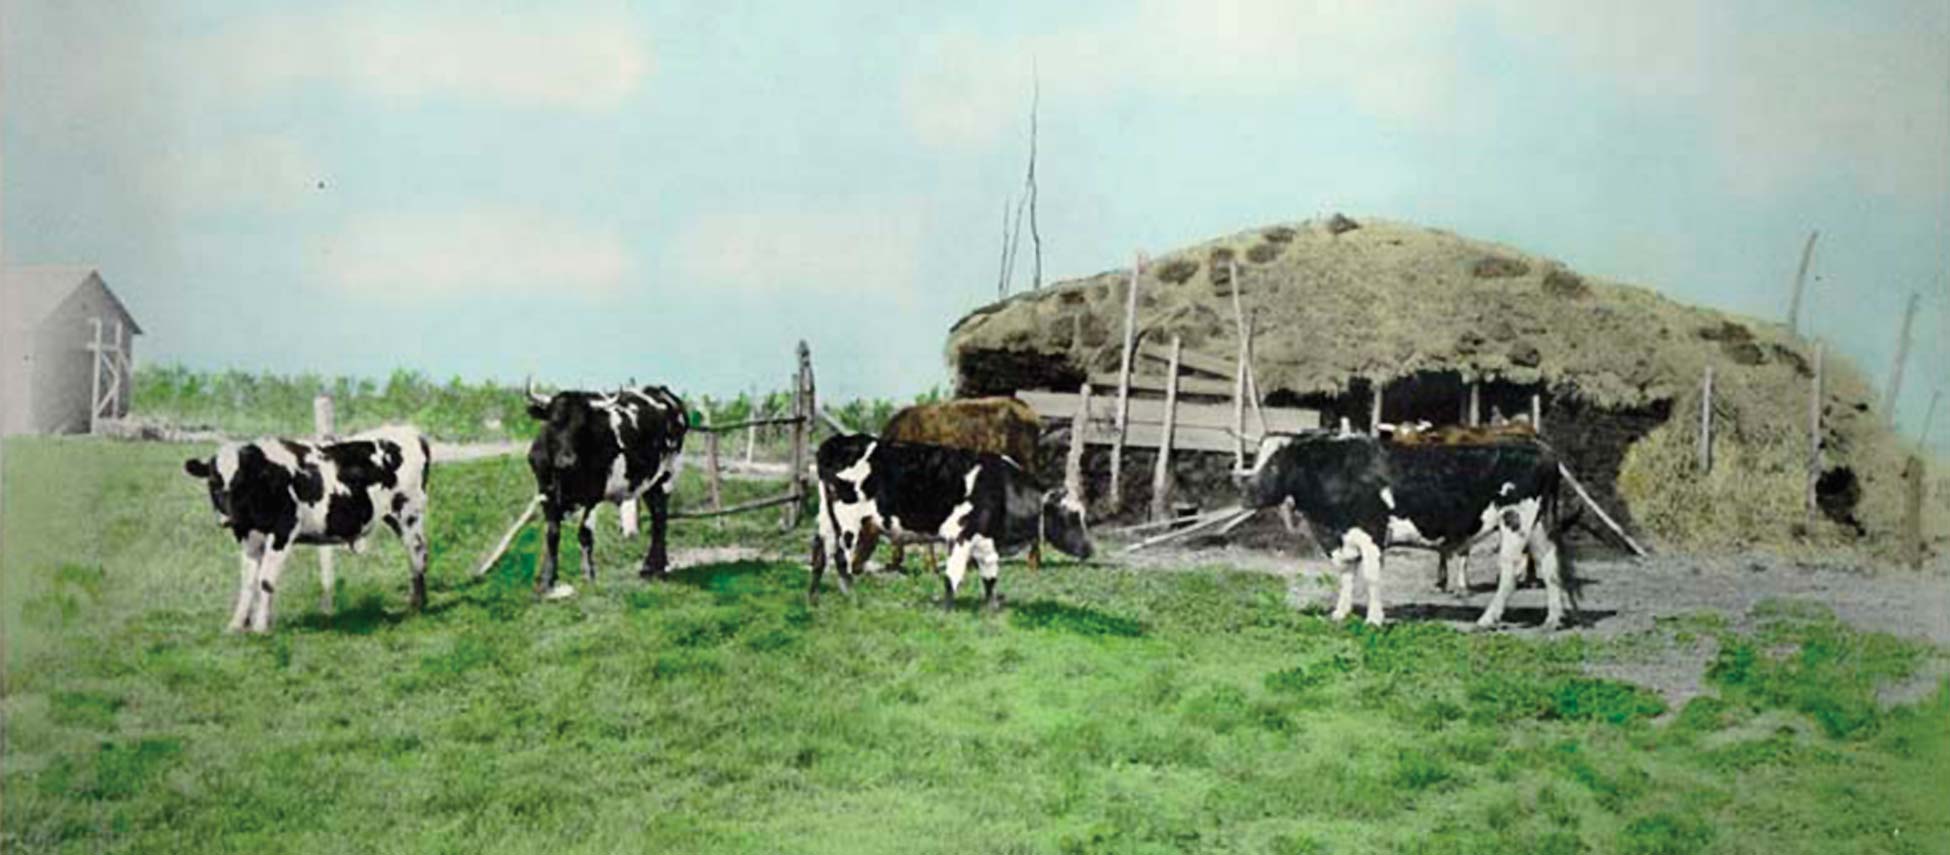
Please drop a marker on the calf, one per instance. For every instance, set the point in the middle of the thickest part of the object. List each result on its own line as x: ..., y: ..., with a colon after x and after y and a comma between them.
x: 606, y: 447
x: 274, y: 493
x: 1003, y: 426
x: 981, y: 505
x: 1361, y: 495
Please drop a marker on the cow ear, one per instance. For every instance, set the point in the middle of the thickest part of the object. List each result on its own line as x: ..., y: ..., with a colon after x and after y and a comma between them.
x: 197, y: 467
x: 538, y: 412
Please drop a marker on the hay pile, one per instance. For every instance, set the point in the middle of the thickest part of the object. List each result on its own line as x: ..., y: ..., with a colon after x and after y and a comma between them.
x: 1335, y: 301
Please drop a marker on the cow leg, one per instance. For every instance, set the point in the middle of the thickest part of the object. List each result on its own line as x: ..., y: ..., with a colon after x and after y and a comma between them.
x: 847, y: 550
x: 991, y: 568
x: 551, y: 541
x: 1459, y: 582
x: 327, y: 579
x: 413, y: 533
x: 253, y: 551
x: 1371, y: 576
x: 929, y: 551
x: 1036, y: 557
x: 956, y: 569
x: 656, y: 562
x: 897, y: 561
x: 1543, y: 557
x: 586, y: 538
x: 1344, y: 560
x: 1509, y: 551
x: 1442, y: 569
x: 817, y: 564
x: 864, y: 546
x: 268, y: 570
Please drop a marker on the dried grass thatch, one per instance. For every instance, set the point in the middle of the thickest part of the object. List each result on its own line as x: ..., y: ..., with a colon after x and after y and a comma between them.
x: 1335, y: 301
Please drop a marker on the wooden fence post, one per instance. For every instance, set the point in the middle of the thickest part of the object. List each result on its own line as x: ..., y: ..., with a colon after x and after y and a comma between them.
x: 1814, y: 432
x: 1124, y: 386
x: 1374, y: 412
x: 1079, y: 440
x: 1475, y: 404
x: 95, y: 377
x: 1537, y: 413
x: 1161, y: 477
x: 1706, y: 421
x: 1894, y: 391
x: 323, y: 421
x: 711, y: 468
x: 1800, y: 281
x: 802, y: 410
x: 1913, y: 486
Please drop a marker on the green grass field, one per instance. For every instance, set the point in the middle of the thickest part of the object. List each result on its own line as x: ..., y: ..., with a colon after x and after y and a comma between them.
x: 1103, y: 711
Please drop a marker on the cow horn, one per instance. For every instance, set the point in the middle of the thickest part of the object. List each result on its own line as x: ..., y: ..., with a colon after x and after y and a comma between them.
x: 533, y: 396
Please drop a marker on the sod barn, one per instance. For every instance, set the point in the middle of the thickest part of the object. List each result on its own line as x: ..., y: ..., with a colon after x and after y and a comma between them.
x: 1444, y: 328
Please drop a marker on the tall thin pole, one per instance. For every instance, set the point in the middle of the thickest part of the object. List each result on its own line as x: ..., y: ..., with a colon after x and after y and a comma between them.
x: 1706, y: 421
x: 1893, y: 392
x: 1124, y: 386
x: 1814, y: 431
x: 1800, y: 282
x: 1161, y: 478
x: 1239, y: 379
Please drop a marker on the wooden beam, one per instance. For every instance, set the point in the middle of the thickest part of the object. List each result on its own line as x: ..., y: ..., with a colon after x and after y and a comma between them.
x: 713, y: 472
x: 1537, y: 413
x: 787, y: 499
x: 1161, y: 476
x: 95, y: 376
x: 1374, y: 409
x: 749, y: 423
x: 1079, y: 440
x: 1062, y: 406
x: 1209, y: 520
x: 1213, y: 366
x: 1239, y: 374
x: 1199, y: 386
x: 1475, y: 404
x: 509, y: 538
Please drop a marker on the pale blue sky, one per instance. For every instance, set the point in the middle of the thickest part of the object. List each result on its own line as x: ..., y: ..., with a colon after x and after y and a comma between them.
x: 678, y: 190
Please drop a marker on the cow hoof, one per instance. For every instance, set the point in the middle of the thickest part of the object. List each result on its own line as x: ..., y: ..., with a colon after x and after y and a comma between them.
x: 1485, y: 623
x: 233, y: 628
x: 1375, y: 622
x: 1553, y: 624
x: 1339, y: 615
x: 560, y: 592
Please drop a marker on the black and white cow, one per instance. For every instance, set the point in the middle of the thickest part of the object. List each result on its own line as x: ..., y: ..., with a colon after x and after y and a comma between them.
x: 981, y: 505
x: 1360, y: 495
x: 597, y: 447
x: 276, y: 493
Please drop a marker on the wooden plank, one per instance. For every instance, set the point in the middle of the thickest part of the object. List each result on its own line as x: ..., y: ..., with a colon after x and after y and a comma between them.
x: 749, y: 423
x: 1062, y: 406
x: 1156, y: 383
x: 1161, y: 475
x: 1204, y: 363
x: 1605, y: 517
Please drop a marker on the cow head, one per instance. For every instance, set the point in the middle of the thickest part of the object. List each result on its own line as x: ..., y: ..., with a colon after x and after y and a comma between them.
x: 1255, y: 481
x: 564, y: 417
x: 1063, y: 525
x: 212, y: 475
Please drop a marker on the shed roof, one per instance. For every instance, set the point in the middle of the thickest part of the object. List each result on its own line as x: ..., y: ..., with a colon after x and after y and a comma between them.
x: 32, y: 293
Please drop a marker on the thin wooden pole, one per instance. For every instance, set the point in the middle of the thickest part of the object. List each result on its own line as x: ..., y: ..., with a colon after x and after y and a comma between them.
x: 802, y: 410
x: 509, y: 538
x: 1537, y: 413
x: 323, y: 420
x: 1161, y: 477
x: 712, y: 470
x: 1929, y: 416
x: 751, y: 433
x: 1605, y: 517
x: 324, y: 426
x: 1239, y: 377
x: 1475, y: 404
x: 1124, y: 387
x: 1800, y: 282
x: 1814, y: 431
x: 1215, y: 518
x: 1894, y: 390
x: 1913, y: 489
x: 95, y: 388
x: 1374, y: 414
x: 1706, y: 421
x: 1079, y: 439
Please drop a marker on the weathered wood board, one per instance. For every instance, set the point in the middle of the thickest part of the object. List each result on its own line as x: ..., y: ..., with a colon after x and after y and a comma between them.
x: 1200, y: 427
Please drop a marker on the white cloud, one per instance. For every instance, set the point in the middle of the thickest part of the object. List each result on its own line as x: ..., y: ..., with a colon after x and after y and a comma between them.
x: 861, y: 248
x: 260, y: 172
x: 434, y: 255
x: 1395, y: 60
x: 579, y: 60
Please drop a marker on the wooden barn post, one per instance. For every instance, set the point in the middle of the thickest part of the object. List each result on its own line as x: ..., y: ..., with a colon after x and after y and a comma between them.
x: 95, y: 378
x: 1537, y: 413
x: 1893, y: 392
x: 1161, y: 477
x: 1814, y: 432
x: 1124, y: 386
x: 1374, y: 409
x: 1913, y: 488
x: 1475, y: 403
x: 1706, y: 421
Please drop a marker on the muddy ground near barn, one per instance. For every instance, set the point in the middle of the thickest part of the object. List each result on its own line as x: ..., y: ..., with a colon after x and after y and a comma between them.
x: 1620, y: 595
